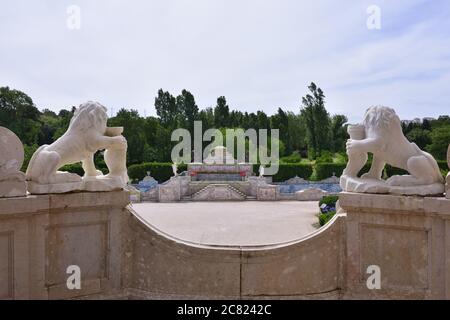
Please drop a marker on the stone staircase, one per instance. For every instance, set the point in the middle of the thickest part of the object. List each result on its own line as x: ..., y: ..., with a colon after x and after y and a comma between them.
x: 217, y: 192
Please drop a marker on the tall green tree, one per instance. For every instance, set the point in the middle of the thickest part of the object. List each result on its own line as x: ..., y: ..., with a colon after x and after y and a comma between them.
x: 188, y: 110
x: 317, y: 121
x: 19, y: 114
x: 338, y: 132
x: 221, y: 113
x: 133, y: 131
x: 440, y: 138
x: 166, y: 108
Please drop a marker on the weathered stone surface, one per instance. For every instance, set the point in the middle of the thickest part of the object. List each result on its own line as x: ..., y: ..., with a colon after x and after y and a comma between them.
x: 381, y: 134
x: 161, y: 266
x: 12, y: 180
x: 170, y: 190
x: 218, y: 192
x: 313, y: 194
x: 267, y: 192
x: 405, y: 237
x: 41, y: 235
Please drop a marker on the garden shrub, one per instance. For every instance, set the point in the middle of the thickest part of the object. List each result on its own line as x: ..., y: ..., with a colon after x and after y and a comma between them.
x: 329, y: 200
x: 326, y: 170
x: 161, y: 171
x: 290, y: 170
x: 295, y: 157
x: 73, y: 168
x: 325, y: 217
x: 442, y: 164
x: 325, y: 157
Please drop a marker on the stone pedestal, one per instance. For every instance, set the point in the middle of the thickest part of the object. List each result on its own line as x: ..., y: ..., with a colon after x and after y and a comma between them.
x: 42, y: 235
x: 407, y: 237
x: 13, y: 189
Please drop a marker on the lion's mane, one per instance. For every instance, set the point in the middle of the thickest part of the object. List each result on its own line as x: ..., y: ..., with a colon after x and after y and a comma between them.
x: 87, y: 115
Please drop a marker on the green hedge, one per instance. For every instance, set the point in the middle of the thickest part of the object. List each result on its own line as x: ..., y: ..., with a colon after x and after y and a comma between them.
x: 392, y: 171
x: 161, y: 171
x: 78, y: 169
x: 326, y: 170
x: 290, y: 170
x: 329, y: 200
x: 73, y: 168
x: 442, y: 165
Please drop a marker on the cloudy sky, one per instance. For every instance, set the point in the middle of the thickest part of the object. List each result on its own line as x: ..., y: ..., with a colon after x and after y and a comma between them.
x: 260, y: 54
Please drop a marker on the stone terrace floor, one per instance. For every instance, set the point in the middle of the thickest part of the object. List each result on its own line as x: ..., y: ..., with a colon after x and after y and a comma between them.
x: 246, y: 223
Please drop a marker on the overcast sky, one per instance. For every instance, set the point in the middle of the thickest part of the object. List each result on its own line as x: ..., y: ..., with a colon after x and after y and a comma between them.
x: 260, y: 54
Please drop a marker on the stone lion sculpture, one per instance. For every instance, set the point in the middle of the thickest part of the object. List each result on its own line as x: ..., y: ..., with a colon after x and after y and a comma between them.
x: 381, y: 134
x: 87, y: 133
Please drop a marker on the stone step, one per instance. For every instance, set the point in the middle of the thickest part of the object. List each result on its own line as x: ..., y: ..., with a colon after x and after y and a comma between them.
x: 234, y: 195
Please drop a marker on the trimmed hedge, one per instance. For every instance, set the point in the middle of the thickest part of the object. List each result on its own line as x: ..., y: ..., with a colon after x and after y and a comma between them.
x: 73, y: 168
x: 329, y: 200
x: 78, y: 169
x: 326, y: 170
x: 161, y: 171
x: 442, y: 165
x: 290, y: 170
x: 392, y: 171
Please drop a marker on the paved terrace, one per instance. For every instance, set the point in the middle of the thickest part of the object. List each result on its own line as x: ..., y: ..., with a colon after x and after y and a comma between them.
x: 232, y: 223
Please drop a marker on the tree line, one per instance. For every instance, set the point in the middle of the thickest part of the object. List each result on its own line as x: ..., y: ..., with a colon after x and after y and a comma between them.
x: 311, y: 133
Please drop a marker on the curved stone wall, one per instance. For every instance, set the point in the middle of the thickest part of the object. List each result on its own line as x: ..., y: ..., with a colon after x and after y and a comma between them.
x: 160, y: 266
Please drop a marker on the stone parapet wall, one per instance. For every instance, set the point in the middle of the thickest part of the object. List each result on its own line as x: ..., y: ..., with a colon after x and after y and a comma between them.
x: 120, y: 255
x: 160, y: 266
x: 40, y: 236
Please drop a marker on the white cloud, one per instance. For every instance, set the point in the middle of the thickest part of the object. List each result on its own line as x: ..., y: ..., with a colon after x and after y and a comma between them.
x: 259, y: 54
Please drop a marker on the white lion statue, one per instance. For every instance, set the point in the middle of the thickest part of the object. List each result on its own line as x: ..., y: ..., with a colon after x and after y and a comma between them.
x: 87, y: 133
x: 381, y: 134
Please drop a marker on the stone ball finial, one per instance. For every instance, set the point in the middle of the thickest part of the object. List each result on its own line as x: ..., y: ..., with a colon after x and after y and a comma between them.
x: 12, y: 180
x: 11, y: 151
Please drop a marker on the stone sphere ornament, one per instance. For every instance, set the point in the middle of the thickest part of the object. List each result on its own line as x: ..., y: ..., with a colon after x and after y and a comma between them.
x: 12, y: 180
